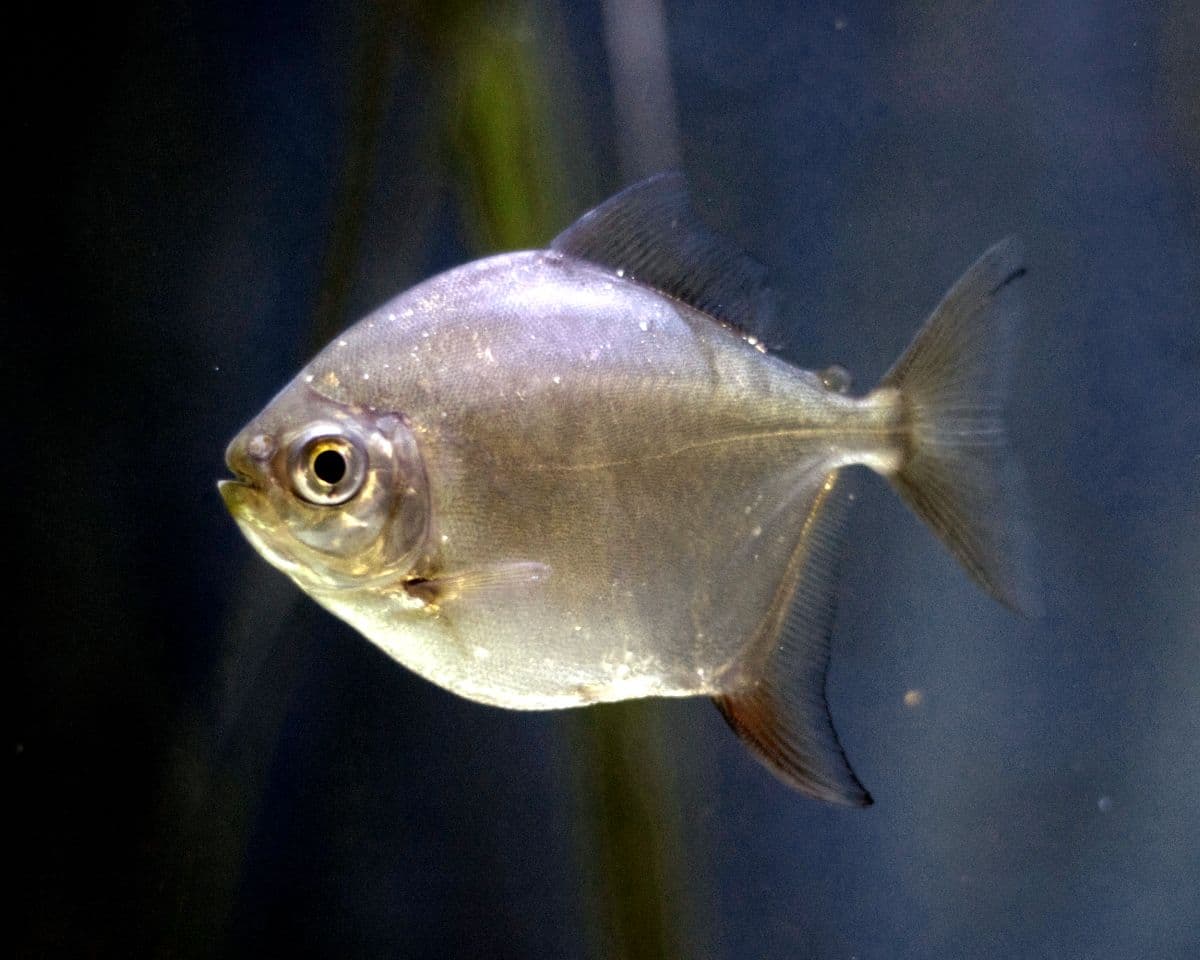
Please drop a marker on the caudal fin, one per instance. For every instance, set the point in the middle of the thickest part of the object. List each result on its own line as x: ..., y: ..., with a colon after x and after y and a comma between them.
x: 955, y: 470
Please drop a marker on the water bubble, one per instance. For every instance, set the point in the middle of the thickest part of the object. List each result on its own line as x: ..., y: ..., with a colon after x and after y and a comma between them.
x: 836, y: 378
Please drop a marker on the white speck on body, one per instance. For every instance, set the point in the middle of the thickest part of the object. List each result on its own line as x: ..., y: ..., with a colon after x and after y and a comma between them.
x: 341, y: 343
x: 308, y: 378
x: 620, y: 271
x: 366, y: 376
x: 643, y: 325
x: 445, y: 538
x: 756, y: 531
x: 557, y: 378
x: 1104, y: 804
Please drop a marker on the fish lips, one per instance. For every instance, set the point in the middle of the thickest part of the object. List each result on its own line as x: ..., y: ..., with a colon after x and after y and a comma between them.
x: 246, y: 457
x: 244, y: 500
x: 251, y: 508
x: 243, y: 496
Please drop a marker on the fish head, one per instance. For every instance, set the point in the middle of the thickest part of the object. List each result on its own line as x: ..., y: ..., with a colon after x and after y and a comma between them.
x: 333, y: 494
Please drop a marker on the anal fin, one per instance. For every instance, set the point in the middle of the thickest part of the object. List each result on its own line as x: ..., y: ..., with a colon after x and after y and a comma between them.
x: 778, y: 705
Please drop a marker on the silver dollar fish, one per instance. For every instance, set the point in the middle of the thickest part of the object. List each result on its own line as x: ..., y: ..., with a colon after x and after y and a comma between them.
x: 558, y: 477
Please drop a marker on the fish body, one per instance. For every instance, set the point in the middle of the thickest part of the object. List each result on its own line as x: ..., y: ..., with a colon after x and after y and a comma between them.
x: 554, y: 478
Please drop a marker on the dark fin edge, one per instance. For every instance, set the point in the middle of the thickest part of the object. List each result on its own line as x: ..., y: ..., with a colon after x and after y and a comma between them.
x: 781, y: 712
x: 956, y: 472
x: 649, y: 233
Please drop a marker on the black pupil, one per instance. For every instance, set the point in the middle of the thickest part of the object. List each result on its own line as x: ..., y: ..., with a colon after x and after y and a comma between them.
x: 329, y: 466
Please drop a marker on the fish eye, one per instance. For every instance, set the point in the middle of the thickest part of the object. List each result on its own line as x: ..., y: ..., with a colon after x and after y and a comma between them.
x: 327, y: 469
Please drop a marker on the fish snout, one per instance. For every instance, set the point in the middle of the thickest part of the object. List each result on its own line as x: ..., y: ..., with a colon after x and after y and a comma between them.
x: 248, y: 458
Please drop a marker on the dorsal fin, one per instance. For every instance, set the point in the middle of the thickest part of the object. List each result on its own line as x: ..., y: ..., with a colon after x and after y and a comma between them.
x: 649, y: 233
x: 778, y: 707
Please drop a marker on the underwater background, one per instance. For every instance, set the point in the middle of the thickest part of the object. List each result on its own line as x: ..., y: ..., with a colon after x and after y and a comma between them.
x: 207, y: 764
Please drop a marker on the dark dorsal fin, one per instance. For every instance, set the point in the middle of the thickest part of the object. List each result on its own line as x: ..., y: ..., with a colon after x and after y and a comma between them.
x: 649, y: 233
x: 779, y: 708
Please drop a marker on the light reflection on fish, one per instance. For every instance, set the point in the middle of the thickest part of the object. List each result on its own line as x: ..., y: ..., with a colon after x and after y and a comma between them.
x: 558, y: 477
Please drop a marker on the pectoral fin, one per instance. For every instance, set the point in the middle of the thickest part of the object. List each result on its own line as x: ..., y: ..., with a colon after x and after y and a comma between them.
x: 437, y: 591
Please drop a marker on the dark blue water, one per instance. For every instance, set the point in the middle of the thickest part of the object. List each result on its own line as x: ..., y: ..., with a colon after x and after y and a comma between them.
x: 207, y: 764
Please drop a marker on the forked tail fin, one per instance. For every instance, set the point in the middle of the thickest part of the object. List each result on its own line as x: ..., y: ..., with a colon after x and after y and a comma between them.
x: 954, y: 467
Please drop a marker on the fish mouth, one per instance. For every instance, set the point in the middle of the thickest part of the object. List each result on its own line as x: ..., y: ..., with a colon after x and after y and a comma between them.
x: 235, y: 463
x: 241, y: 476
x: 227, y: 483
x: 238, y: 463
x: 246, y: 493
x: 240, y: 494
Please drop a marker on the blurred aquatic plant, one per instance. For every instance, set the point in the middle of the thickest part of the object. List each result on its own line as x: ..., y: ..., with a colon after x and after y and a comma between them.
x: 512, y: 133
x: 517, y: 143
x: 510, y: 136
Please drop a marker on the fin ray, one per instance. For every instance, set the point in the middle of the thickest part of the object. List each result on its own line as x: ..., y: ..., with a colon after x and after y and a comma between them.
x: 649, y: 233
x: 497, y: 577
x: 778, y: 706
x: 956, y: 472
